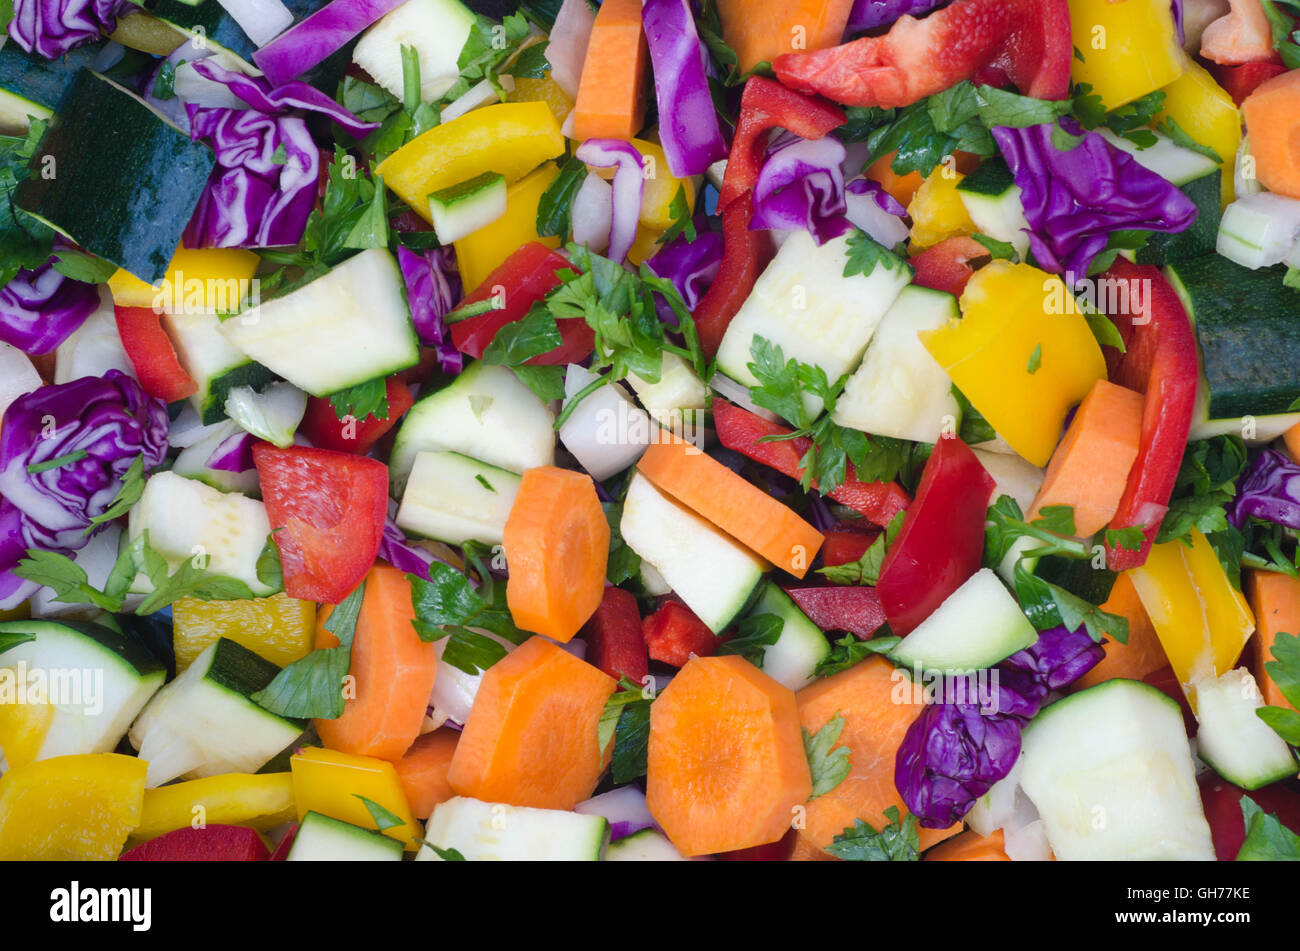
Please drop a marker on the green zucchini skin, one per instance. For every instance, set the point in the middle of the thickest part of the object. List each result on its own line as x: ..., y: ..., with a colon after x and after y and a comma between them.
x: 125, y: 181
x: 219, y: 26
x: 1203, y: 235
x: 1248, y: 325
x: 39, y: 80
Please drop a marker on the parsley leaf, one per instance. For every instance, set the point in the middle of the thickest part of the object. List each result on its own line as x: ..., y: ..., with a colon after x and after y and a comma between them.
x: 754, y: 634
x: 1005, y: 525
x: 84, y: 267
x: 447, y: 855
x: 624, y: 563
x: 1130, y: 539
x: 1284, y: 670
x: 531, y: 336
x: 1206, y: 483
x: 828, y: 764
x: 546, y: 382
x: 864, y: 254
x: 555, y: 208
x: 11, y: 639
x: 1048, y: 605
x: 896, y: 842
x: 383, y: 818
x: 25, y: 241
x: 682, y: 217
x: 1171, y: 128
x: 1035, y: 360
x: 447, y: 605
x: 631, y: 743
x: 1000, y: 250
x: 849, y: 651
x: 866, y: 570
x: 627, y: 692
x: 1267, y: 840
x: 363, y: 400
x: 974, y: 428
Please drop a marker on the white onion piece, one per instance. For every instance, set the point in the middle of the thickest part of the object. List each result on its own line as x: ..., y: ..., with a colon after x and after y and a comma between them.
x: 593, y: 213
x: 106, y: 58
x: 481, y: 94
x: 1243, y: 183
x: 95, y: 347
x: 738, y: 393
x: 566, y: 127
x: 625, y: 808
x: 193, y: 87
x: 17, y: 375
x: 187, y: 430
x: 606, y: 432
x: 567, y: 49
x: 629, y: 188
x: 577, y: 647
x: 262, y: 20
x: 453, y: 689
x: 865, y: 213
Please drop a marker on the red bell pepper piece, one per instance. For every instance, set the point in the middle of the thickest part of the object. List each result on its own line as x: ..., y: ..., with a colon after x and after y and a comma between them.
x: 778, y: 851
x: 281, y: 852
x: 1240, y: 81
x: 1161, y: 361
x: 845, y: 544
x: 673, y: 633
x: 853, y: 608
x: 945, y: 267
x: 214, y: 843
x: 520, y: 281
x: 321, y: 424
x: 615, y: 642
x: 1025, y: 42
x: 765, y: 105
x: 327, y: 510
x: 941, y: 542
x: 152, y: 356
x: 1167, y: 683
x: 742, y: 431
x: 1222, y: 803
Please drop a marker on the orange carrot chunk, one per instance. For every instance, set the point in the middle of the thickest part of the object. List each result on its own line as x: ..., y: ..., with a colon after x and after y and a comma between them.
x: 1275, y: 599
x: 877, y: 707
x: 726, y: 765
x: 393, y: 672
x: 1273, y: 123
x: 970, y: 846
x: 1089, y: 469
x: 739, y: 508
x: 556, y: 542
x: 531, y: 735
x: 1292, y: 439
x: 1142, y: 655
x: 612, y: 92
x: 761, y: 30
x: 422, y: 771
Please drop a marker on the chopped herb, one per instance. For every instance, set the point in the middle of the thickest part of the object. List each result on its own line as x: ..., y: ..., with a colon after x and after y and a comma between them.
x: 1035, y: 360
x: 849, y: 651
x: 828, y: 764
x: 1267, y: 840
x: 555, y: 208
x: 754, y: 634
x: 864, y: 254
x: 682, y: 217
x: 866, y: 570
x: 383, y: 818
x: 362, y: 401
x: 896, y: 842
x: 36, y: 468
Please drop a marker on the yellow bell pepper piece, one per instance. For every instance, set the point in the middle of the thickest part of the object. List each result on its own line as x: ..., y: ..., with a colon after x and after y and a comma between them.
x: 330, y: 782
x: 547, y: 90
x: 23, y: 727
x: 1203, y: 622
x: 70, y: 808
x: 1205, y: 111
x: 660, y: 188
x: 204, y: 281
x: 140, y: 31
x: 279, y: 628
x: 262, y: 801
x: 480, y: 253
x: 1129, y: 48
x: 511, y: 138
x: 1019, y: 354
x: 937, y: 210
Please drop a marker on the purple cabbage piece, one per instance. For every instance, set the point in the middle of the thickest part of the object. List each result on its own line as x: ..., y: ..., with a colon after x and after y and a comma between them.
x: 1269, y: 489
x: 628, y: 187
x: 1177, y: 7
x: 233, y: 454
x: 41, y: 308
x: 885, y: 201
x: 50, y: 28
x: 690, y: 265
x: 1075, y: 198
x: 688, y: 123
x: 433, y: 287
x: 100, y: 426
x: 400, y: 553
x: 869, y: 14
x: 801, y: 186
x: 1058, y: 658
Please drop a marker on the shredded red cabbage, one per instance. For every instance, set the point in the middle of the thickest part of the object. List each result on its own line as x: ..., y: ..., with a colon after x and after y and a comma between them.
x: 869, y: 14
x: 50, y: 28
x: 801, y: 186
x: 233, y: 454
x: 1269, y: 489
x: 690, y: 265
x: 311, y: 41
x: 41, y: 308
x: 400, y: 553
x: 629, y: 188
x: 433, y: 287
x: 1076, y: 198
x: 688, y: 122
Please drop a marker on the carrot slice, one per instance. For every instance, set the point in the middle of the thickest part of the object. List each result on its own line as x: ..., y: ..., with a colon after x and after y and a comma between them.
x: 393, y: 671
x: 612, y: 92
x: 1089, y: 469
x: 422, y: 771
x: 1273, y: 122
x: 1142, y: 655
x: 805, y: 850
x: 726, y: 766
x: 970, y: 846
x: 556, y: 542
x: 761, y: 30
x: 739, y: 508
x: 878, y: 706
x: 531, y: 735
x: 1292, y: 439
x: 1275, y: 599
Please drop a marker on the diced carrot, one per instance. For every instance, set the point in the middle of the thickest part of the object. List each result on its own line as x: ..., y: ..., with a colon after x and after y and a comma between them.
x: 761, y: 30
x: 422, y: 771
x: 726, y: 765
x: 393, y: 672
x: 878, y: 705
x: 738, y: 507
x: 1275, y: 599
x: 612, y: 93
x: 531, y: 735
x: 1089, y: 469
x: 805, y: 850
x: 556, y: 542
x: 970, y: 846
x: 1273, y: 123
x: 1142, y: 655
x: 901, y: 187
x: 1292, y: 439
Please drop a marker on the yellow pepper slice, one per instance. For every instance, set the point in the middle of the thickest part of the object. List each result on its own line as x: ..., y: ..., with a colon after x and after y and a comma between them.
x: 198, y: 281
x: 279, y: 628
x: 1021, y: 353
x: 23, y: 726
x: 262, y: 801
x: 937, y: 210
x: 480, y: 253
x: 1203, y: 622
x: 511, y: 138
x: 547, y: 90
x: 70, y: 808
x: 1205, y: 111
x: 331, y: 783
x: 1129, y: 48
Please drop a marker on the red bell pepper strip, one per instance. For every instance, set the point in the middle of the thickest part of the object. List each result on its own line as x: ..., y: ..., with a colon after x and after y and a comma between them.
x: 1025, y: 42
x: 853, y: 608
x: 1240, y: 81
x: 743, y: 432
x: 673, y: 633
x: 213, y: 843
x: 946, y: 267
x: 941, y: 542
x: 615, y: 641
x: 1222, y: 804
x: 152, y: 356
x: 778, y: 851
x: 520, y: 281
x: 765, y: 105
x: 1161, y: 361
x: 327, y: 511
x: 321, y: 424
x: 845, y: 544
